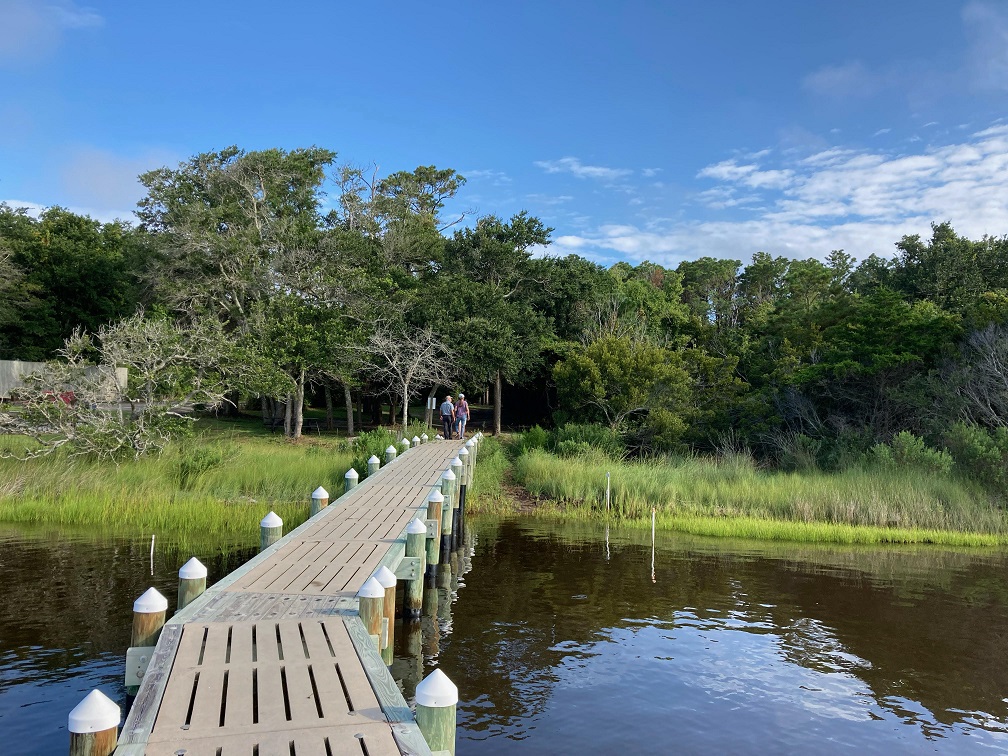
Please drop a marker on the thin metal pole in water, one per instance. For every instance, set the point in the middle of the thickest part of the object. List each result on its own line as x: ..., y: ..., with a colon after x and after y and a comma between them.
x: 607, y: 495
x: 652, y: 545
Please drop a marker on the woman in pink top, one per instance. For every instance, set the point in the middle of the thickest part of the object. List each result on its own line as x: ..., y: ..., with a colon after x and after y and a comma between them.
x: 461, y: 415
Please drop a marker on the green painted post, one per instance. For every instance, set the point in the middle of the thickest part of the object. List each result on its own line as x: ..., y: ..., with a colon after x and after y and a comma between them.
x: 390, y: 454
x: 191, y: 583
x: 448, y: 491
x: 372, y: 465
x: 424, y: 438
x: 319, y: 500
x: 404, y: 445
x: 370, y: 600
x: 270, y: 530
x: 436, y: 700
x: 94, y: 725
x: 148, y: 618
x: 350, y: 480
x: 416, y: 441
x: 457, y: 468
x: 416, y: 535
x: 435, y: 503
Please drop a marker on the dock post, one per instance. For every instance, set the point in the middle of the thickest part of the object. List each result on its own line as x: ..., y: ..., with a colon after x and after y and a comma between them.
x: 416, y: 535
x: 350, y: 480
x: 416, y: 441
x: 372, y: 465
x: 456, y: 468
x: 390, y: 454
x: 464, y: 482
x: 435, y: 503
x: 436, y: 699
x: 191, y: 582
x: 387, y: 578
x: 424, y: 438
x: 94, y: 725
x: 405, y: 445
x: 270, y: 530
x: 319, y: 500
x: 470, y: 473
x: 148, y: 618
x: 371, y: 599
x: 448, y: 491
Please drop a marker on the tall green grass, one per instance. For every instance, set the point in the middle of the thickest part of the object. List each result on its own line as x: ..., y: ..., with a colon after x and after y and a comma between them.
x: 734, y: 498
x: 488, y: 495
x: 217, y: 484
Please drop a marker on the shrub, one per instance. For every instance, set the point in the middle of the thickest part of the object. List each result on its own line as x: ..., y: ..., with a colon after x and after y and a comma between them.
x: 908, y: 450
x: 196, y: 459
x: 371, y: 443
x: 578, y: 438
x: 980, y: 454
x: 798, y: 452
x: 535, y: 437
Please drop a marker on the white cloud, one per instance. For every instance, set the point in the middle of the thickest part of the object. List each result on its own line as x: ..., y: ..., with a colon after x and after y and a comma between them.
x: 851, y: 79
x: 496, y: 178
x: 104, y: 184
x: 576, y: 168
x: 859, y: 200
x: 31, y: 30
x: 880, y: 132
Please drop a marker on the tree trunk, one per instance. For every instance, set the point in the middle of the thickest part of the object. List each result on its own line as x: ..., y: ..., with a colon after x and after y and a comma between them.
x: 287, y: 415
x: 267, y: 409
x: 299, y: 405
x: 328, y: 406
x: 349, y: 410
x: 391, y: 411
x: 497, y: 404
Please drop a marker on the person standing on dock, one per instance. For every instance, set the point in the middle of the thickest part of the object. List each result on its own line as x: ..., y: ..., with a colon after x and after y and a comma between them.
x: 461, y: 414
x: 447, y: 416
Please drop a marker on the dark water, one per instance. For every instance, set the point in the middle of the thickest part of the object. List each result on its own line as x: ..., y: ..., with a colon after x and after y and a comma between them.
x: 562, y: 645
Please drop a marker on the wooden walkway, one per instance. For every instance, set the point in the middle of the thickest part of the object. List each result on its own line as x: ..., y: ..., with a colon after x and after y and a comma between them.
x: 273, y: 660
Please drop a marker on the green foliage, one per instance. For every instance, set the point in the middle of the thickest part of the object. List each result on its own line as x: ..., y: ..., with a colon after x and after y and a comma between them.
x: 194, y: 460
x: 535, y: 437
x: 907, y: 451
x: 981, y: 455
x: 372, y: 443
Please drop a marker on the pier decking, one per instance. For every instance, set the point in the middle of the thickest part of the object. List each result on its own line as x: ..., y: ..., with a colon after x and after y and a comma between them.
x: 273, y: 659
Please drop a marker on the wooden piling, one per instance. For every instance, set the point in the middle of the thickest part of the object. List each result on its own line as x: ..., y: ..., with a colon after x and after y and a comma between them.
x: 319, y: 500
x: 387, y: 578
x: 456, y: 468
x: 436, y: 700
x: 192, y: 582
x: 435, y: 505
x: 416, y: 535
x: 350, y: 480
x: 372, y: 465
x: 93, y: 726
x: 424, y: 438
x: 390, y: 454
x: 448, y: 491
x: 148, y: 618
x: 416, y: 441
x: 371, y: 600
x: 404, y: 445
x: 270, y: 530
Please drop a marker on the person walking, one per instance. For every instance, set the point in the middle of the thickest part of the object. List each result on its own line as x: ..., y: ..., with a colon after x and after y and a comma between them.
x: 447, y: 416
x: 461, y: 414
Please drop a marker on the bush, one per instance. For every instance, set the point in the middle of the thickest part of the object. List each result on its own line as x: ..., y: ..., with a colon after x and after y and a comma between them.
x: 798, y: 452
x: 196, y: 459
x: 980, y: 454
x: 369, y: 444
x: 908, y: 450
x: 535, y: 437
x: 574, y: 439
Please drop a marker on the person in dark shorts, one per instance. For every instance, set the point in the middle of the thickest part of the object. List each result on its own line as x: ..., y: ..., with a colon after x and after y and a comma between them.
x: 447, y: 416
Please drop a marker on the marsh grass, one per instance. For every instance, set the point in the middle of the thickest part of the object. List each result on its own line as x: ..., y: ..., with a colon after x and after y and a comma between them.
x: 489, y: 495
x: 735, y: 498
x: 219, y: 483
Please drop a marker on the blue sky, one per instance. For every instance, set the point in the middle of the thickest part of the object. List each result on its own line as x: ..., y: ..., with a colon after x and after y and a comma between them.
x: 659, y: 130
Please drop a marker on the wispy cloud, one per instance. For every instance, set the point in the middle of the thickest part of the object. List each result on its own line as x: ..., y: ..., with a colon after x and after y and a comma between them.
x: 986, y: 28
x: 31, y: 30
x: 496, y: 178
x: 860, y: 200
x: 575, y: 167
x: 880, y: 132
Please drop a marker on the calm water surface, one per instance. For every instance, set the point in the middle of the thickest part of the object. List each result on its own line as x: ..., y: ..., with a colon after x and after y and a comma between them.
x: 563, y: 643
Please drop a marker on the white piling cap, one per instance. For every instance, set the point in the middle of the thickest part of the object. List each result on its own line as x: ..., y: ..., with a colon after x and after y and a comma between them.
x: 463, y: 452
x: 424, y: 437
x: 374, y: 460
x: 385, y: 576
x: 417, y: 526
x: 436, y: 691
x: 416, y: 440
x: 404, y: 443
x: 470, y: 443
x: 448, y: 475
x: 439, y: 437
x: 320, y: 493
x: 96, y: 713
x: 371, y: 589
x: 456, y: 462
x: 150, y: 603
x: 192, y: 570
x: 435, y: 496
x: 351, y: 473
x: 272, y: 520
x: 391, y: 449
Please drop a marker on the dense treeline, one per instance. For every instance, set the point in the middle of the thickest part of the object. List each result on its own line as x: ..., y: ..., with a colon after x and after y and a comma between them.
x: 325, y: 278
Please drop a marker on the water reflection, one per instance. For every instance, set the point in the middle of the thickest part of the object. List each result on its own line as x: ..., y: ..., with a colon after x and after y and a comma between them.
x: 562, y: 641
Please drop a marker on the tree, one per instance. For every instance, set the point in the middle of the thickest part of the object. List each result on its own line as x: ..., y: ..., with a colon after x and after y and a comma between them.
x: 406, y: 360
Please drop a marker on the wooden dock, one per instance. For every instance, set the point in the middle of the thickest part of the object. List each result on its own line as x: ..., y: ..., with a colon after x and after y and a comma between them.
x: 273, y: 659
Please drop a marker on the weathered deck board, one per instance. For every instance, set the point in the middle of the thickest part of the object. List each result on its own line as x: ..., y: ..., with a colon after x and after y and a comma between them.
x: 273, y: 658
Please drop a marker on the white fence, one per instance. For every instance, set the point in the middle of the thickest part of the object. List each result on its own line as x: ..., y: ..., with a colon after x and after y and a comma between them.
x: 11, y: 372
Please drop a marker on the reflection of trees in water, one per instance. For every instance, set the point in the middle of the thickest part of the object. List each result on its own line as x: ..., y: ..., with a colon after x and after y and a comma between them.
x: 68, y: 599
x: 913, y: 625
